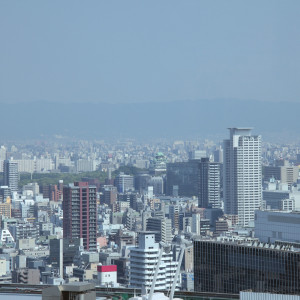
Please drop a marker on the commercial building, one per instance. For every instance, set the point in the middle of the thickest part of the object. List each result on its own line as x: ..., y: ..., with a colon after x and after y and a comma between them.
x: 109, y: 195
x: 11, y: 175
x: 80, y: 213
x: 184, y: 177
x: 273, y: 199
x: 5, y: 192
x: 284, y: 173
x: 141, y: 182
x: 231, y: 267
x: 162, y: 228
x: 107, y: 275
x: 249, y: 295
x: 124, y: 183
x: 158, y: 185
x: 272, y: 226
x: 26, y: 276
x: 62, y: 253
x: 242, y: 182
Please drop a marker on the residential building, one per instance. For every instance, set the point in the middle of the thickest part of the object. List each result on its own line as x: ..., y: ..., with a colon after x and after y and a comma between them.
x: 242, y: 173
x: 143, y: 262
x: 209, y: 184
x: 24, y: 231
x: 80, y: 213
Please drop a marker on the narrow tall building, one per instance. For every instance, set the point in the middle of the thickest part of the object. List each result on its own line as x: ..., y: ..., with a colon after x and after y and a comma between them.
x: 209, y: 184
x: 80, y: 213
x: 242, y: 174
x: 11, y: 175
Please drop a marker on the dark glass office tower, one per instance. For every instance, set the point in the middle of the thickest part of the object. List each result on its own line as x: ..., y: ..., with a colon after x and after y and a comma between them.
x: 184, y: 176
x: 224, y: 267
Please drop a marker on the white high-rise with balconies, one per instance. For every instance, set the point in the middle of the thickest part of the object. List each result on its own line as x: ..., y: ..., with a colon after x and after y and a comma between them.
x: 242, y: 174
x: 143, y: 261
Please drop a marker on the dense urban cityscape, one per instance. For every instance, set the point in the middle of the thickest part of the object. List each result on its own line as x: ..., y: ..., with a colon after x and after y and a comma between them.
x: 214, y: 217
x: 149, y: 150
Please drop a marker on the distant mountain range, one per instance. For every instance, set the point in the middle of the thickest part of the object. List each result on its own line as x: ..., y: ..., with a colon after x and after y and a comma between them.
x: 174, y: 120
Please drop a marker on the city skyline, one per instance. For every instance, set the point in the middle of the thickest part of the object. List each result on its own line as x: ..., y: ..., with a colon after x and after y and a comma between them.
x: 118, y: 176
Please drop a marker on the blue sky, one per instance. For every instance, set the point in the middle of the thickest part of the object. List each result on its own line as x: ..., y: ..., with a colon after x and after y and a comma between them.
x: 144, y: 51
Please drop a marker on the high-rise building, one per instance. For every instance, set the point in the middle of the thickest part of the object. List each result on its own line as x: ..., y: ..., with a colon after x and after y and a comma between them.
x: 141, y: 182
x: 11, y: 174
x: 174, y: 211
x: 162, y: 228
x: 184, y: 177
x: 2, y: 153
x: 143, y: 261
x: 209, y: 185
x: 109, y: 195
x: 5, y: 192
x: 242, y: 173
x: 80, y: 213
x: 196, y: 224
x: 63, y: 252
x: 158, y: 185
x: 197, y: 154
x: 124, y: 183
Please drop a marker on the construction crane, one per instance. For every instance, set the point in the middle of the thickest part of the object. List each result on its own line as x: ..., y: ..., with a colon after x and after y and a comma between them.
x: 184, y: 245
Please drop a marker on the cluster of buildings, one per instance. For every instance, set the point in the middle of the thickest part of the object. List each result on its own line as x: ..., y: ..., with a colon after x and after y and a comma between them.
x: 227, y: 217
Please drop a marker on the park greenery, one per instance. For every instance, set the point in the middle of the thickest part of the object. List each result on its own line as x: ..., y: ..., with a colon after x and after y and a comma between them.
x: 53, y: 178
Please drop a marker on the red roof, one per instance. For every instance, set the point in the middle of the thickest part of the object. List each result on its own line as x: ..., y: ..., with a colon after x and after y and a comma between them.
x: 110, y: 268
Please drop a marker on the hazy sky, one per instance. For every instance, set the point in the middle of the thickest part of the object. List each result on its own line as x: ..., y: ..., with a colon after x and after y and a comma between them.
x: 137, y: 51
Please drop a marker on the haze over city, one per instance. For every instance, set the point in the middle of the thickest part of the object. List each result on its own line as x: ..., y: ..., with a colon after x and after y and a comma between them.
x: 150, y: 150
x: 133, y: 51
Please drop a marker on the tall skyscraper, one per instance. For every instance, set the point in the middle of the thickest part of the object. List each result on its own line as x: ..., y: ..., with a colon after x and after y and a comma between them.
x: 242, y: 174
x: 80, y: 213
x: 209, y: 185
x: 11, y: 174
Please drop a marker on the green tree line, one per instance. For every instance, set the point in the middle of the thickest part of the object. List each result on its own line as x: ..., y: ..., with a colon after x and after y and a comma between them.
x: 53, y: 178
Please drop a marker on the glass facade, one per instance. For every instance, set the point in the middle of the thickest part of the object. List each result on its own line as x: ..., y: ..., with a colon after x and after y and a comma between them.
x: 230, y: 268
x: 185, y: 175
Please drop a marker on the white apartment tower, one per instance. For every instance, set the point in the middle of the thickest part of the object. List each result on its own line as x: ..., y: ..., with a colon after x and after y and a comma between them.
x: 242, y: 174
x: 143, y: 261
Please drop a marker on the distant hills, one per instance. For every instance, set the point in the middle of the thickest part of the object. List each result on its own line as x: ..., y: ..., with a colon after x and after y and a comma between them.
x: 174, y: 120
